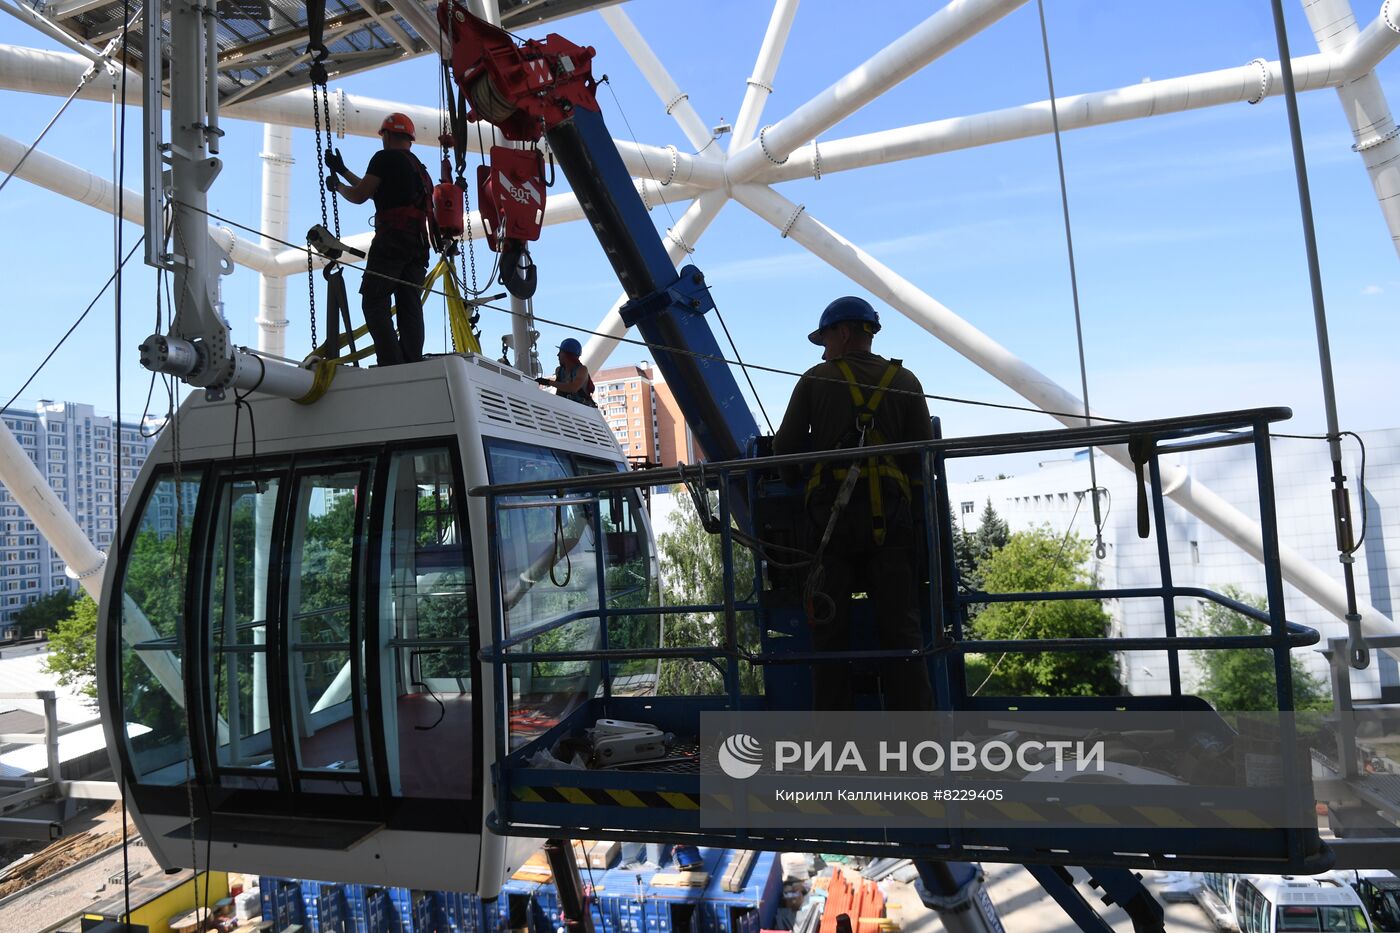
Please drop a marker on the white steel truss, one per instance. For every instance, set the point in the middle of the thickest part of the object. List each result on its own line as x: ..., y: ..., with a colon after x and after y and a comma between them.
x: 757, y: 158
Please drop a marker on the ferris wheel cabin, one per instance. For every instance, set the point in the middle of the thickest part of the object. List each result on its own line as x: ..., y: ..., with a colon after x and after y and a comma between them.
x: 288, y: 646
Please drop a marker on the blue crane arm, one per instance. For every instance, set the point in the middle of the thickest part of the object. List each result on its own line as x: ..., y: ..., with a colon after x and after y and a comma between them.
x: 666, y: 307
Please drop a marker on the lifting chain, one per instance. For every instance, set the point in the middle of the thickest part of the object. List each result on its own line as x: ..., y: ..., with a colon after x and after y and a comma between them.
x: 470, y: 256
x: 321, y: 104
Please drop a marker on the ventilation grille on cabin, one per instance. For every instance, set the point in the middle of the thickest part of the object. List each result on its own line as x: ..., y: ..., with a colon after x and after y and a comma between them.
x: 496, y: 406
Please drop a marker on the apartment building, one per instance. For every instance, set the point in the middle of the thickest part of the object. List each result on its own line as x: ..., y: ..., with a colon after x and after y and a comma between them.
x: 642, y: 412
x: 76, y: 450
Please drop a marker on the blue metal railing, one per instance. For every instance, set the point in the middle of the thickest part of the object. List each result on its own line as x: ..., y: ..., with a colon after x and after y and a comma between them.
x: 946, y: 642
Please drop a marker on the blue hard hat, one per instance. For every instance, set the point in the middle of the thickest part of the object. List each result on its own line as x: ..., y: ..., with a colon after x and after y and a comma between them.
x: 849, y: 308
x: 570, y: 345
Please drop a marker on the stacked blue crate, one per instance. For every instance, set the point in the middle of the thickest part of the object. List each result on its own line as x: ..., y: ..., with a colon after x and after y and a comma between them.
x: 747, y: 911
x: 331, y: 906
x: 380, y: 912
x: 624, y: 901
x: 464, y: 912
x: 282, y: 902
x: 430, y: 912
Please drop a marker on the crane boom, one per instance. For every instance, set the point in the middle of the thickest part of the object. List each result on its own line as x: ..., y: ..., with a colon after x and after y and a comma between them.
x: 544, y: 89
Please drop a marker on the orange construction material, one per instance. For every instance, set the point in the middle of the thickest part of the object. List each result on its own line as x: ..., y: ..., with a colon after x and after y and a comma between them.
x: 861, y: 901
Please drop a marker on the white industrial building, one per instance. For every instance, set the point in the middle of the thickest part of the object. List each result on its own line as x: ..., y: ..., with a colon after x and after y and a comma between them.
x: 1056, y: 495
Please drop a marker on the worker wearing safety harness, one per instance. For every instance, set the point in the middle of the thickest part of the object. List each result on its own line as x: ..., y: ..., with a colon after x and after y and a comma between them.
x: 398, y: 258
x: 858, y: 399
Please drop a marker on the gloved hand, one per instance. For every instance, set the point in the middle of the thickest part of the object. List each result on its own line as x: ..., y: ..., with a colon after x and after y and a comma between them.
x: 334, y: 162
x: 544, y: 381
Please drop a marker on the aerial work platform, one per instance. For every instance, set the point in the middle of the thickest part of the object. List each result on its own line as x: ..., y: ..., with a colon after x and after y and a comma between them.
x: 540, y: 788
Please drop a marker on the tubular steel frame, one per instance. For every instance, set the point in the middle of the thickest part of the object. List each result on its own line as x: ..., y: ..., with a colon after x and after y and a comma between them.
x: 944, y: 651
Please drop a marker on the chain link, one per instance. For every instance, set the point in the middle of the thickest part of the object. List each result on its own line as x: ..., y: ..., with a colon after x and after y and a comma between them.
x: 321, y: 178
x: 471, y: 242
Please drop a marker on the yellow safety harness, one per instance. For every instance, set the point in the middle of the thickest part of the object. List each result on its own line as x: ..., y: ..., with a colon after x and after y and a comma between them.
x: 876, y: 468
x: 459, y: 319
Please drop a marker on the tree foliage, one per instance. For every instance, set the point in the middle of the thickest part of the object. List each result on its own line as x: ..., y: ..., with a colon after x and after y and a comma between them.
x: 992, y: 535
x: 1242, y: 679
x: 73, y: 648
x: 45, y: 613
x: 694, y: 575
x: 1042, y: 560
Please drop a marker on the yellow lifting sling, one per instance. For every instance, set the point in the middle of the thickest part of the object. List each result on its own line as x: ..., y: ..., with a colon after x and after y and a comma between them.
x: 464, y: 339
x: 876, y: 467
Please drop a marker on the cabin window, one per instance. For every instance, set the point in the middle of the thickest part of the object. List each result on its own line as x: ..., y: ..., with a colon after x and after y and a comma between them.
x: 152, y: 616
x: 559, y: 560
x: 238, y: 606
x: 324, y: 586
x: 427, y: 612
x: 548, y: 566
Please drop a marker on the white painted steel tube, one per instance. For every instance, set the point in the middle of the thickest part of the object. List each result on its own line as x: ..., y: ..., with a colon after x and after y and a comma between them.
x: 83, y: 186
x: 687, y: 230
x: 1380, y: 37
x: 765, y: 69
x: 676, y: 102
x: 1036, y: 387
x: 1151, y: 98
x: 276, y: 211
x: 957, y: 22
x: 56, y: 73
x: 1363, y: 100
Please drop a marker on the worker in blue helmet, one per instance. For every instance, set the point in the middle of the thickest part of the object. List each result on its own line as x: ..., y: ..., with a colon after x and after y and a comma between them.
x: 855, y: 398
x: 571, y: 378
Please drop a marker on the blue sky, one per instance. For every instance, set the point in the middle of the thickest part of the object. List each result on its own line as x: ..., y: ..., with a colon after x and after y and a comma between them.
x: 1190, y: 257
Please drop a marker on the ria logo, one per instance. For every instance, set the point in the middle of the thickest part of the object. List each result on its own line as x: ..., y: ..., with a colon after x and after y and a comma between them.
x: 740, y: 756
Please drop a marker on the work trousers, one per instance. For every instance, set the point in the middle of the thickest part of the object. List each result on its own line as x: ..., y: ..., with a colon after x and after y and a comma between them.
x: 853, y: 563
x: 394, y: 273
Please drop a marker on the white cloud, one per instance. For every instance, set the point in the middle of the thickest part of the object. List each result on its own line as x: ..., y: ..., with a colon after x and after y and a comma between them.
x: 1372, y: 290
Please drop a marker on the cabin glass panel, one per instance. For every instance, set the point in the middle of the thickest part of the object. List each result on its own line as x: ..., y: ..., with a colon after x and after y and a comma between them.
x: 428, y: 620
x: 239, y: 612
x: 152, y: 612
x: 563, y: 563
x: 323, y: 591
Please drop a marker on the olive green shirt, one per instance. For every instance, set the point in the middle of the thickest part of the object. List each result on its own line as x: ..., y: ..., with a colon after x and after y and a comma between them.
x: 821, y: 414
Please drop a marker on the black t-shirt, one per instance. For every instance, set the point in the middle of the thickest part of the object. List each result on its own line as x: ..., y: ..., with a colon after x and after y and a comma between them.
x: 400, y: 181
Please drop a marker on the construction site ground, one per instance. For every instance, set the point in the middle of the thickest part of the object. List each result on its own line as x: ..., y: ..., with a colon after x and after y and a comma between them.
x: 1023, y: 905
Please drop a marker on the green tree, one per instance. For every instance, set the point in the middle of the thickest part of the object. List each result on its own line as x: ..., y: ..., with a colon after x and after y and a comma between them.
x: 963, y: 557
x: 1042, y: 560
x: 991, y: 535
x: 1242, y: 679
x: 45, y: 613
x: 693, y: 574
x: 73, y: 648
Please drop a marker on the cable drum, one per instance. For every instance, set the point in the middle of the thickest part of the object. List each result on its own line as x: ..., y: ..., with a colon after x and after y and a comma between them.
x: 488, y: 100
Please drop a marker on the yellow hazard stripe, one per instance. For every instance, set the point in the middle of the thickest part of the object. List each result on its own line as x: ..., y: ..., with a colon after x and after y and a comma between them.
x: 626, y: 798
x: 679, y: 801
x: 1165, y: 817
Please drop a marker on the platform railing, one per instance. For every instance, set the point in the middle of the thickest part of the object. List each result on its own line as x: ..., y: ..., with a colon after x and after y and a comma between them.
x: 947, y: 641
x: 1149, y: 440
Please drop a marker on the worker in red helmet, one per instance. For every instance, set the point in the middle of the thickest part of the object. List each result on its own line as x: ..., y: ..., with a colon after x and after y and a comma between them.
x: 398, y: 257
x: 855, y: 398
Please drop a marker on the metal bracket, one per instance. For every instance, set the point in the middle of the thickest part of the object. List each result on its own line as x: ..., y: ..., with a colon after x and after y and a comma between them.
x: 687, y: 293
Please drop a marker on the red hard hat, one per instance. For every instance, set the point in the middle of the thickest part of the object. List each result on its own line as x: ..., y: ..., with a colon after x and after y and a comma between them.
x: 397, y: 123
